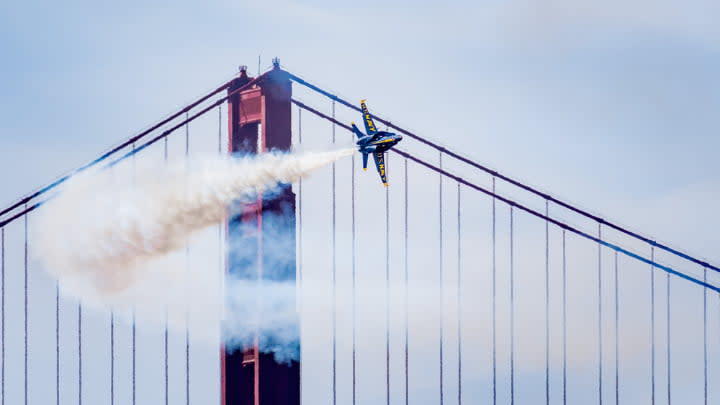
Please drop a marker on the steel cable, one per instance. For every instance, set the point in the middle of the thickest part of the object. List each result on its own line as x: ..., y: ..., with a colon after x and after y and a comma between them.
x: 512, y: 309
x: 334, y: 272
x: 705, y: 341
x: 537, y: 214
x: 440, y: 275
x: 506, y: 178
x: 2, y: 315
x: 494, y: 296
x: 459, y: 297
x: 387, y: 289
x: 667, y: 326
x: 564, y: 318
x: 25, y: 318
x: 547, y: 305
x: 652, y: 326
x: 600, y: 328
x: 407, y: 326
x: 617, y: 333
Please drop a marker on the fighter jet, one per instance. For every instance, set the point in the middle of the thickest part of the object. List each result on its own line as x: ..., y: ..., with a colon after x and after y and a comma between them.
x: 375, y: 142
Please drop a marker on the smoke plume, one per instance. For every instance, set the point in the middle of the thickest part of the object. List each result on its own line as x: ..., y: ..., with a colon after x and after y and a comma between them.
x: 118, y: 240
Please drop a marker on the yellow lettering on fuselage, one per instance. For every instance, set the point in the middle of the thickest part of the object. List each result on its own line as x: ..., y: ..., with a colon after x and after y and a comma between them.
x: 369, y: 121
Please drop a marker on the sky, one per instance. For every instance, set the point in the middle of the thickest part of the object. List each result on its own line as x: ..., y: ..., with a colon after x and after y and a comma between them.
x: 601, y: 105
x: 610, y: 106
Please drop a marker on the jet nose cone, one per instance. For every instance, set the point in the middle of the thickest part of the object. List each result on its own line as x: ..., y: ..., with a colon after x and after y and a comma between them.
x: 398, y: 138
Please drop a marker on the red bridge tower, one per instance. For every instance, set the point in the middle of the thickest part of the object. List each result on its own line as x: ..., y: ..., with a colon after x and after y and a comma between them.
x: 259, y: 120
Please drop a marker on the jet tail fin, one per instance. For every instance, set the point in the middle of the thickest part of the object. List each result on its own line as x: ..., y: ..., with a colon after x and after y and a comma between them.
x: 367, y: 119
x: 357, y: 131
x: 365, y: 159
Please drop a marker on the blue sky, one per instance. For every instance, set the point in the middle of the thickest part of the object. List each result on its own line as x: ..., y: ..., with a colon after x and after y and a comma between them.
x: 585, y: 101
x: 610, y: 105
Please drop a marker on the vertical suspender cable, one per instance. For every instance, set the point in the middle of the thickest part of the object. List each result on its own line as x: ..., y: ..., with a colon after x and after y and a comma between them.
x: 133, y: 314
x: 334, y: 273
x: 112, y: 346
x: 165, y: 336
x: 221, y: 268
x: 512, y: 310
x: 187, y: 134
x: 2, y: 315
x: 187, y: 269
x: 600, y: 329
x: 79, y: 325
x: 220, y: 226
x: 494, y: 299
x: 387, y: 289
x: 667, y: 326
x: 564, y: 319
x: 299, y: 209
x: 547, y: 305
x: 112, y: 359
x: 112, y: 339
x: 705, y: 348
x: 57, y: 344
x: 440, y: 275
x: 299, y: 238
x: 407, y: 326
x: 652, y: 325
x: 617, y: 333
x: 25, y: 258
x: 459, y: 297
x: 354, y: 283
x: 133, y: 357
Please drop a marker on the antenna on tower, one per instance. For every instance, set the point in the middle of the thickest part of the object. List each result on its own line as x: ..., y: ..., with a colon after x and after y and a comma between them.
x: 258, y: 71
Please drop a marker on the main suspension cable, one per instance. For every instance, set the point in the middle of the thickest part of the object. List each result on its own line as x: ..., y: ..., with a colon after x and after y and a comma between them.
x: 531, y: 211
x: 131, y: 141
x: 510, y: 180
x: 119, y: 147
x: 127, y: 155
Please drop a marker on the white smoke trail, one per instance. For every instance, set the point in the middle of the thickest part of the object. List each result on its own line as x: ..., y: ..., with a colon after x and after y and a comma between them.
x: 116, y: 241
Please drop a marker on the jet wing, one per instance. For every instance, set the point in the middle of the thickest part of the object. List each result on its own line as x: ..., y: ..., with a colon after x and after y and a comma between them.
x: 370, y: 127
x: 380, y: 164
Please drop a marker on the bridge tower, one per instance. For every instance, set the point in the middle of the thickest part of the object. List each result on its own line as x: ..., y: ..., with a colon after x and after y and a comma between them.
x: 259, y: 120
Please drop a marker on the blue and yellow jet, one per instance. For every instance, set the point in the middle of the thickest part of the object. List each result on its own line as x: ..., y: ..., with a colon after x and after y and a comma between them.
x: 375, y: 142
